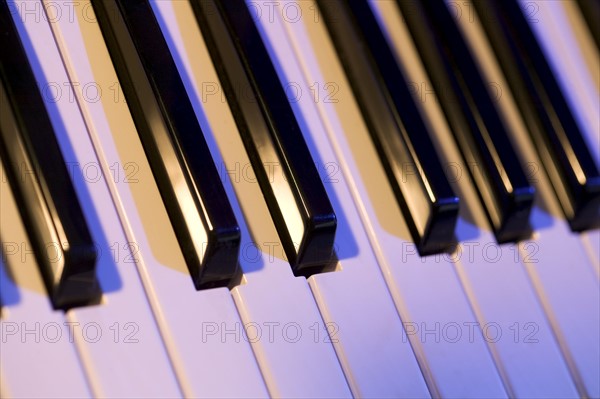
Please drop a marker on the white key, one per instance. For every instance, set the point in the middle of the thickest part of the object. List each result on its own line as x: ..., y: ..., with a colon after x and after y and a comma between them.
x: 34, y: 338
x: 576, y: 78
x: 206, y: 365
x: 568, y: 289
x: 277, y: 308
x: 427, y: 292
x: 376, y: 356
x: 118, y: 340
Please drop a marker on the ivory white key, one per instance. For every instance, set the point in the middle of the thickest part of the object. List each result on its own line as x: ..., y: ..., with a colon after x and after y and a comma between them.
x: 354, y: 301
x: 426, y: 291
x: 518, y: 334
x: 190, y: 321
x: 576, y: 78
x: 568, y: 289
x: 119, y: 340
x: 278, y: 309
x: 34, y: 338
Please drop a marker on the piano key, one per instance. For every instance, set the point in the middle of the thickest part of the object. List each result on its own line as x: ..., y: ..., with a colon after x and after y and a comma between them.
x: 203, y: 362
x: 470, y: 111
x: 50, y: 207
x: 419, y: 285
x: 297, y: 200
x: 277, y: 308
x: 571, y: 299
x: 117, y: 340
x: 34, y: 335
x: 181, y: 162
x: 591, y: 12
x: 574, y: 175
x: 415, y: 173
x: 354, y: 301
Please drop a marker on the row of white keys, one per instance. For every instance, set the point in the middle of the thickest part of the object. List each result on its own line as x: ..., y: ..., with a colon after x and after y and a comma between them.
x: 576, y: 62
x: 118, y: 340
x: 207, y: 362
x: 426, y: 291
x: 284, y: 325
x: 370, y: 342
x: 33, y: 340
x: 555, y: 259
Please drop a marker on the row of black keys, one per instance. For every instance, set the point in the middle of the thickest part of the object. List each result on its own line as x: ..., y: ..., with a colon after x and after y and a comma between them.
x: 177, y: 151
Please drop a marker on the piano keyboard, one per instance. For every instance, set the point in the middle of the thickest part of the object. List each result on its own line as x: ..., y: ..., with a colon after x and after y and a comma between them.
x: 359, y: 273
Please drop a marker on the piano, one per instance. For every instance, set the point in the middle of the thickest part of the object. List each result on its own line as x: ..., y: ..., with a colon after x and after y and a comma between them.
x: 394, y: 309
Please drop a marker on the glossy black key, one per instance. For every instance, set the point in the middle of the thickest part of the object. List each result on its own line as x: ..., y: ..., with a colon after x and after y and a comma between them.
x: 192, y: 191
x: 415, y: 173
x: 294, y: 193
x: 590, y: 9
x: 38, y: 175
x: 556, y: 135
x: 501, y: 183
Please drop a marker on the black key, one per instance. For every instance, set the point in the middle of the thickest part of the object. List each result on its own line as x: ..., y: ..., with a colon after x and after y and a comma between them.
x: 294, y: 193
x: 484, y: 142
x: 40, y: 181
x: 556, y: 135
x: 590, y: 9
x: 192, y: 191
x: 428, y: 202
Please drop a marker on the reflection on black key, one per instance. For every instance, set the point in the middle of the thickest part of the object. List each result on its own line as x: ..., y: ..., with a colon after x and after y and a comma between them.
x: 294, y: 193
x: 40, y: 181
x: 190, y: 185
x: 502, y: 185
x: 429, y: 205
x: 559, y: 141
x: 591, y: 13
